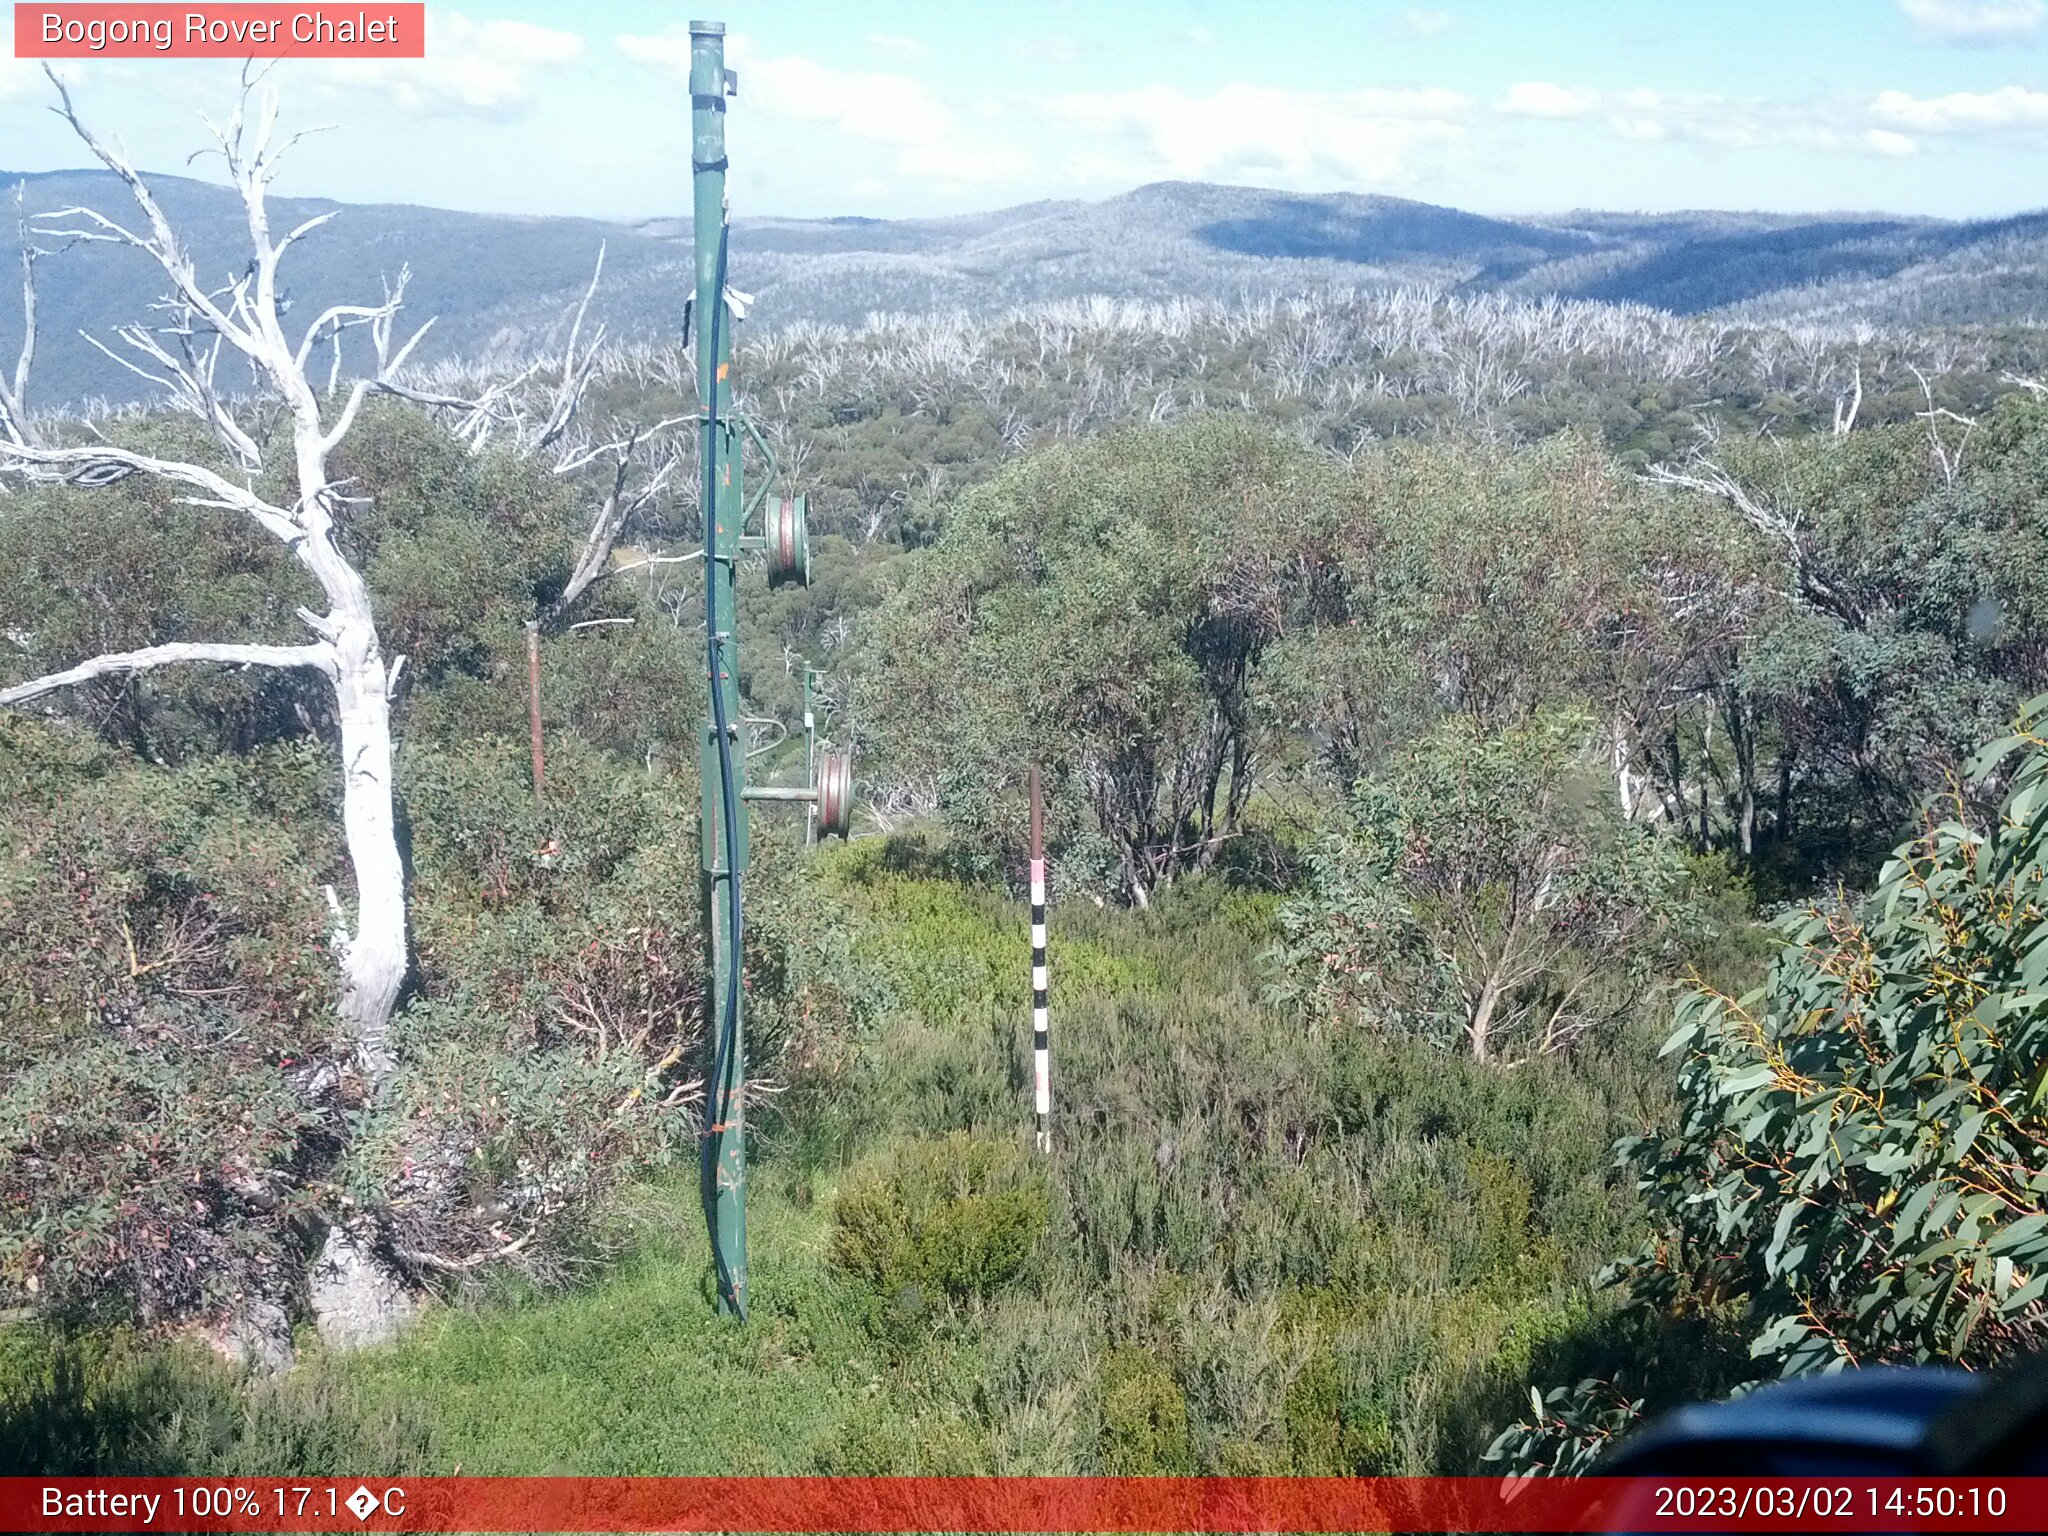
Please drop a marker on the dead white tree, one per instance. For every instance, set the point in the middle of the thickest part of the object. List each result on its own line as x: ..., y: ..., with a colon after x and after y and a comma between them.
x: 1785, y: 526
x: 197, y: 327
x: 14, y: 422
x: 1847, y: 407
x: 1948, y: 460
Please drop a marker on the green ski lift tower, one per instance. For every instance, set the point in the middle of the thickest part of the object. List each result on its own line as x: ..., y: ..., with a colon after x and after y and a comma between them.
x: 722, y: 760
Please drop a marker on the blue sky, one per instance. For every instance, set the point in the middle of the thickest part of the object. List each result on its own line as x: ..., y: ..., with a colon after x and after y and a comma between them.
x: 892, y: 108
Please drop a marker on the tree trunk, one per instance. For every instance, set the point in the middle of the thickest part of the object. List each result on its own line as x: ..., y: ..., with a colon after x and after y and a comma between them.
x: 373, y: 958
x: 1623, y: 767
x: 356, y: 1297
x: 1743, y: 739
x: 1783, y: 830
x: 1482, y: 1017
x: 1708, y: 773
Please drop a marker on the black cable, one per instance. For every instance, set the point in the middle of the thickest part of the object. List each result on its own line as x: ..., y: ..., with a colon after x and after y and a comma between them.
x: 710, y: 332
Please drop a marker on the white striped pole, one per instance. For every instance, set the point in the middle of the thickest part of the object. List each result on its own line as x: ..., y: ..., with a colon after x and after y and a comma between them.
x: 1041, y: 1037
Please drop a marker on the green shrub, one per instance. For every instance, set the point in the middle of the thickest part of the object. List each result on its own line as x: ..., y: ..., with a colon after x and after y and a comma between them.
x: 940, y: 1220
x: 1484, y: 898
x: 1144, y: 1418
x: 163, y: 985
x: 110, y: 1402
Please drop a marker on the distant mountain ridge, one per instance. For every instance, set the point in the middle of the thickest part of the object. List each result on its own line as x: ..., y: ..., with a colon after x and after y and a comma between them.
x: 504, y: 281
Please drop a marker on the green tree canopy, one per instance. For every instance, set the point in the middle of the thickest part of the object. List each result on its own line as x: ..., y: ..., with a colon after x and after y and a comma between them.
x: 1486, y: 895
x: 1100, y: 608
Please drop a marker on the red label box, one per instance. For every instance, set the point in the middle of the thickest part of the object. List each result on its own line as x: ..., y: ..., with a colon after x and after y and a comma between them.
x: 1020, y: 1505
x: 264, y: 31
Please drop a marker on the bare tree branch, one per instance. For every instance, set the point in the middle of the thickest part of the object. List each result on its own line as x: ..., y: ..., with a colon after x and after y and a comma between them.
x: 624, y: 501
x: 1704, y: 475
x: 319, y: 657
x: 1948, y: 460
x: 95, y: 464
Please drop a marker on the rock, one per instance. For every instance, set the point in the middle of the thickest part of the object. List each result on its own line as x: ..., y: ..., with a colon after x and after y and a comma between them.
x: 356, y: 1297
x: 257, y: 1334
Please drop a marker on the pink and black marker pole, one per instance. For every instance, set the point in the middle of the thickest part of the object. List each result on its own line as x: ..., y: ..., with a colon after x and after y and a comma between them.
x: 1041, y: 1037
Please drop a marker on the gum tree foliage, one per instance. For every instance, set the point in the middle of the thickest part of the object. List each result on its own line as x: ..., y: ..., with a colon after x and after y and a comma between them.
x: 1486, y: 896
x: 1490, y: 583
x: 1859, y: 1169
x: 1495, y: 447
x: 1102, y: 609
x: 1908, y: 571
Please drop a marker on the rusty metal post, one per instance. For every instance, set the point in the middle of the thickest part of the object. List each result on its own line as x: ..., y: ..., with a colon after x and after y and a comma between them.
x: 540, y: 756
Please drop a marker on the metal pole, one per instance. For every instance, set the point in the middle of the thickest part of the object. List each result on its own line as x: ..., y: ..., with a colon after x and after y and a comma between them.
x: 810, y: 761
x: 721, y: 763
x: 1041, y: 1033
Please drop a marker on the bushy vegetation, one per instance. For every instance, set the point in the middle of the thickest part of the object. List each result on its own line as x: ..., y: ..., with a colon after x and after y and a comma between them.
x: 177, y: 1122
x: 1254, y: 1249
x: 1857, y: 1169
x: 1406, y: 752
x: 1488, y: 896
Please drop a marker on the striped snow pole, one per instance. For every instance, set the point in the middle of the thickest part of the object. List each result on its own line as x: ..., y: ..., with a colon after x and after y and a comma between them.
x: 1041, y: 1037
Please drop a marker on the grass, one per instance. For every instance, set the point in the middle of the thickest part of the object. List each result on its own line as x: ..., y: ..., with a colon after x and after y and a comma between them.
x: 634, y: 1375
x: 1257, y: 1248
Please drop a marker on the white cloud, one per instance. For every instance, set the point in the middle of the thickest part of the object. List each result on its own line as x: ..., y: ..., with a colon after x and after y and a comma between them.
x: 961, y: 163
x: 2010, y: 106
x: 472, y: 68
x: 1050, y: 48
x: 1976, y: 22
x: 18, y: 77
x: 1200, y: 37
x: 896, y: 46
x: 1539, y: 98
x: 1421, y: 22
x: 877, y: 106
x: 869, y: 104
x: 662, y: 50
x: 1259, y: 132
x: 1643, y: 115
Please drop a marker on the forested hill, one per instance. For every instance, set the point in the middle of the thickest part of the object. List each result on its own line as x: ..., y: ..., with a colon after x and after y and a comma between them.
x: 493, y: 280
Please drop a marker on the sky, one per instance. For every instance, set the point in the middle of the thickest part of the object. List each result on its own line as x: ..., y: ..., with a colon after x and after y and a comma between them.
x: 898, y: 108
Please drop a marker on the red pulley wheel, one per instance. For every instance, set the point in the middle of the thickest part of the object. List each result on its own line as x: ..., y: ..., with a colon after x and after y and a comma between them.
x: 789, y: 542
x: 835, y: 795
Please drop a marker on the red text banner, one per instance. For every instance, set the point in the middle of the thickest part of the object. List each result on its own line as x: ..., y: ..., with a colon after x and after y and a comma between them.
x: 1022, y: 1504
x: 264, y: 31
